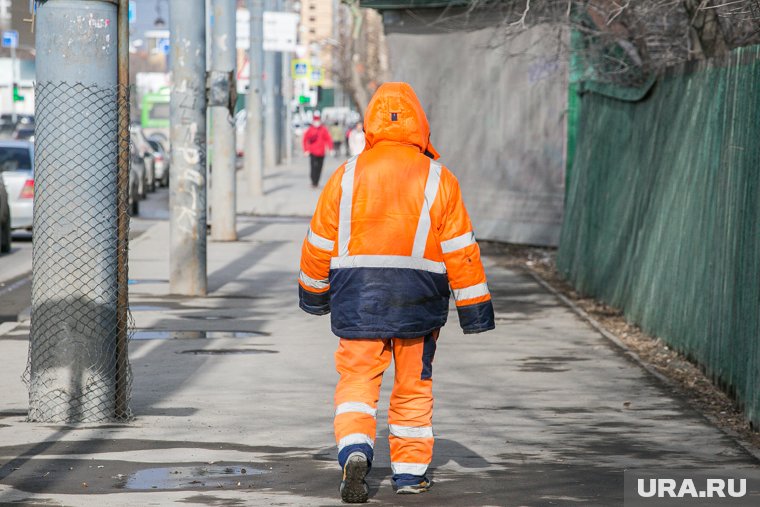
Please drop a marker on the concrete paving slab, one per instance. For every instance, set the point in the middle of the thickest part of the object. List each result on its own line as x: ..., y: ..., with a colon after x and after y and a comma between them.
x: 542, y: 411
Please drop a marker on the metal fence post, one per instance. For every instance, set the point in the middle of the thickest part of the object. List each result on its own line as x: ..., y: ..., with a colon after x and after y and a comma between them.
x: 187, y: 191
x: 76, y: 372
x: 221, y: 105
x: 254, y: 155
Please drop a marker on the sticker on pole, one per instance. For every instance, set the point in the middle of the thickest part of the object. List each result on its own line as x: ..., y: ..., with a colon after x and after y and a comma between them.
x: 300, y: 69
x: 280, y: 31
x: 10, y: 39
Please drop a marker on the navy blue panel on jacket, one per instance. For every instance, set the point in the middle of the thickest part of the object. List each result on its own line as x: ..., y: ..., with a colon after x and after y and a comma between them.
x: 387, y: 302
x: 476, y: 318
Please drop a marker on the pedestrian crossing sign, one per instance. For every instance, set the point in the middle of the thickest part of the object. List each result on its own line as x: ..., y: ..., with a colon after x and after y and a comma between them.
x: 317, y: 77
x: 300, y: 69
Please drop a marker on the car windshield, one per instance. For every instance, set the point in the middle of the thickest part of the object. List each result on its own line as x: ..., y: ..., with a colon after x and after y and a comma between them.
x: 154, y: 144
x: 14, y: 158
x: 159, y: 111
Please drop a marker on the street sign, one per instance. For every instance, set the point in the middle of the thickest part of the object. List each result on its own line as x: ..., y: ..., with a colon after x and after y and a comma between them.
x: 317, y: 77
x: 280, y: 31
x: 300, y: 69
x: 10, y: 39
x: 163, y: 45
x: 243, y: 29
x: 132, y: 11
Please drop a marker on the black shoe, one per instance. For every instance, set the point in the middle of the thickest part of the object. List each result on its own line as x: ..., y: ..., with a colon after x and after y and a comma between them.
x: 353, y: 488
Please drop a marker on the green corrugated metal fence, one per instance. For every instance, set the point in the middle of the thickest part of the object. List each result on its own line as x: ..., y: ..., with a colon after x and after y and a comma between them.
x: 663, y: 214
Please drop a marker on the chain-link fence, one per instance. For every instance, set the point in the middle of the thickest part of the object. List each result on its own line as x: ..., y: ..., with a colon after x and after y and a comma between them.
x: 78, y: 369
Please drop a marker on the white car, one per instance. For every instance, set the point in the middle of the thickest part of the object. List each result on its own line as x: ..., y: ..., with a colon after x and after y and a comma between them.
x: 5, y: 220
x: 17, y: 170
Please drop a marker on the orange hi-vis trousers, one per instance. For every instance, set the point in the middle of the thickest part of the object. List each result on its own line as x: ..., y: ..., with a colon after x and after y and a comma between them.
x: 361, y: 363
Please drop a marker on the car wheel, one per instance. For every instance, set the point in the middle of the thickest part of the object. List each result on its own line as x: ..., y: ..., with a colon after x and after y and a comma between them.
x: 5, y: 236
x: 165, y: 178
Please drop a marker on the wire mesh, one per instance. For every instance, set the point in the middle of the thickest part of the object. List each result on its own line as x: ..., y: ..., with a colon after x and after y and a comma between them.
x: 661, y: 214
x: 78, y: 369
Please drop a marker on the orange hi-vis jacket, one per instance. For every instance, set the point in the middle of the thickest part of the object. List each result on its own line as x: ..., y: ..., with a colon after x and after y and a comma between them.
x: 390, y: 235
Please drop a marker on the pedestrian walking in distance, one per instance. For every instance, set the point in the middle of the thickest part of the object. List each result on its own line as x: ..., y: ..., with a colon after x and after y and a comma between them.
x: 390, y: 235
x: 356, y: 139
x: 316, y: 142
x: 337, y: 134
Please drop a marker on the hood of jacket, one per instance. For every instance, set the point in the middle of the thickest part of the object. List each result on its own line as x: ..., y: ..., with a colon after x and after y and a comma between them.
x: 395, y: 114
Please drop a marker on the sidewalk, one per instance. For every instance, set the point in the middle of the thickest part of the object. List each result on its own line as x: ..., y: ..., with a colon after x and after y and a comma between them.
x: 542, y: 411
x: 287, y: 189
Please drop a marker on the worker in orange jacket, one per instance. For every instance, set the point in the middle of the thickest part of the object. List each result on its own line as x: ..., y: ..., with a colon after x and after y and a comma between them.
x: 389, y: 236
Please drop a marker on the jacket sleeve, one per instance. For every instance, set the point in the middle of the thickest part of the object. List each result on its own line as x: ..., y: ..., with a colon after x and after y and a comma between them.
x: 461, y: 254
x: 305, y: 142
x: 317, y: 250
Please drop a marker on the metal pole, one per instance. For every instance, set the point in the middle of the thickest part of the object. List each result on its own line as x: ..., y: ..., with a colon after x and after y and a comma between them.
x: 254, y: 155
x: 187, y: 188
x: 220, y: 103
x: 287, y: 97
x: 73, y: 342
x: 14, y: 117
x: 270, y: 122
x: 122, y: 200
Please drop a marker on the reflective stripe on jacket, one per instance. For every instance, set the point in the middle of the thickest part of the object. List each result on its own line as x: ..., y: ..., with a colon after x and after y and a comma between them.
x: 391, y: 234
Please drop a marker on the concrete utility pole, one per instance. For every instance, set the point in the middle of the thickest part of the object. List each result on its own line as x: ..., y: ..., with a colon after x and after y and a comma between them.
x: 270, y: 101
x: 287, y: 96
x: 220, y: 97
x: 187, y: 192
x: 254, y: 154
x: 74, y: 364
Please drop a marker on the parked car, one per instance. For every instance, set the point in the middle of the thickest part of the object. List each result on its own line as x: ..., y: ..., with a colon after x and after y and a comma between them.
x: 138, y: 167
x: 136, y: 170
x: 160, y: 162
x: 5, y: 220
x: 17, y: 170
x: 8, y: 126
x: 140, y: 142
x: 24, y: 133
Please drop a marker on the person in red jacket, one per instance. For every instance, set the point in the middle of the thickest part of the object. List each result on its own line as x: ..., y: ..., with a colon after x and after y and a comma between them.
x: 389, y: 243
x: 316, y: 142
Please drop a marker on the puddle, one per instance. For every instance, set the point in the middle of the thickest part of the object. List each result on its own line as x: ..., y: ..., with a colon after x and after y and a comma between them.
x: 209, y: 476
x: 220, y: 352
x: 140, y: 281
x: 146, y: 308
x: 148, y: 334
